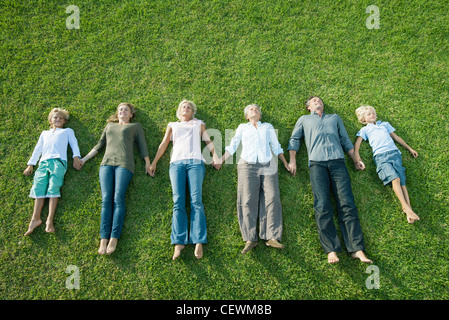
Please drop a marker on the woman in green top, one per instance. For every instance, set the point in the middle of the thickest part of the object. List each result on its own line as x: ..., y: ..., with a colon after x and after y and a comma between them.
x: 117, y: 170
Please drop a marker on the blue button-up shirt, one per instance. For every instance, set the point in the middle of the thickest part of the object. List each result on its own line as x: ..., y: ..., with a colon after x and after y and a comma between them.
x: 325, y: 137
x: 257, y: 143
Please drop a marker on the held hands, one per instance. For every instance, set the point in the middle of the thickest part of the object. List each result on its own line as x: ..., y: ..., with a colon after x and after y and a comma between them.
x: 359, y: 165
x: 151, y: 169
x: 77, y: 163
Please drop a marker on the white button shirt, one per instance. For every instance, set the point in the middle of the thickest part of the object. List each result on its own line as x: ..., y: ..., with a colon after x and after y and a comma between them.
x: 257, y: 143
x: 52, y: 144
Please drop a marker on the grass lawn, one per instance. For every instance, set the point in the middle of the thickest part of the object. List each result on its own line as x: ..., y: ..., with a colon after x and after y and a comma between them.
x: 223, y: 55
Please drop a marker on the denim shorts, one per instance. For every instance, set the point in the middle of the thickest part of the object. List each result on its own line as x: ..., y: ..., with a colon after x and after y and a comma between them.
x: 48, y: 179
x: 389, y: 166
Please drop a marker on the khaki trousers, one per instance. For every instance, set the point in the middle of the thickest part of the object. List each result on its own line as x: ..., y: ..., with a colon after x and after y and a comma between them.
x: 258, y: 201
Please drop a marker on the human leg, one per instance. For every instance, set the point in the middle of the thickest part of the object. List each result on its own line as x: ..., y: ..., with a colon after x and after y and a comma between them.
x: 402, y: 194
x: 270, y: 210
x: 107, y: 181
x: 320, y: 182
x: 198, y: 226
x: 36, y: 218
x: 52, y: 203
x: 347, y: 210
x: 179, y: 228
x: 248, y: 190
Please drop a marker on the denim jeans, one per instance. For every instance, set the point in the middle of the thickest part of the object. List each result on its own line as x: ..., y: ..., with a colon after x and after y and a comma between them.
x: 189, y: 172
x: 324, y: 177
x: 114, y: 181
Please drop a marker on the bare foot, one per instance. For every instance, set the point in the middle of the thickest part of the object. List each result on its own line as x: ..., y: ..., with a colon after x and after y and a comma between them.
x: 361, y: 255
x: 199, y: 250
x: 332, y: 257
x: 178, y: 249
x: 103, y: 246
x: 32, y: 226
x: 112, y: 245
x: 49, y: 227
x: 411, y: 216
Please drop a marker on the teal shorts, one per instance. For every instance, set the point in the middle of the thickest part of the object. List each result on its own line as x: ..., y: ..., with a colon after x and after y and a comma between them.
x: 48, y: 179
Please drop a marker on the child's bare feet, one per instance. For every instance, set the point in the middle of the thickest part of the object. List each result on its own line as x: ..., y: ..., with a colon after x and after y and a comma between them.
x: 332, y: 257
x: 178, y: 249
x: 411, y: 216
x: 199, y: 250
x: 112, y: 245
x: 33, y: 224
x: 49, y: 227
x: 361, y: 255
x: 103, y: 246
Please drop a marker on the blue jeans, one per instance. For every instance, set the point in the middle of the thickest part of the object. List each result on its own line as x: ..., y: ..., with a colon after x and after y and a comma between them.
x: 189, y: 172
x: 114, y: 182
x: 324, y: 177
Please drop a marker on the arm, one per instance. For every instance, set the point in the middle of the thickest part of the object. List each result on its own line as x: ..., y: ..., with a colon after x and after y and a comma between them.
x: 210, y: 145
x: 359, y: 165
x: 92, y: 153
x: 282, y: 158
x: 160, y: 151
x: 357, y: 157
x: 143, y: 149
x: 73, y: 142
x: 294, y: 144
x: 399, y: 140
x: 230, y: 150
x: 88, y: 156
x: 34, y: 157
x: 292, y: 163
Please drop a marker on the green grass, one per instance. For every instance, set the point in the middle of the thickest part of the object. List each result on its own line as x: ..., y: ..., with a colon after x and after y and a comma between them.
x: 223, y: 55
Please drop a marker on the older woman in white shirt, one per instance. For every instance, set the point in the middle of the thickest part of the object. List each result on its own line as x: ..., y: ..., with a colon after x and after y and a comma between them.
x: 186, y: 166
x: 258, y: 196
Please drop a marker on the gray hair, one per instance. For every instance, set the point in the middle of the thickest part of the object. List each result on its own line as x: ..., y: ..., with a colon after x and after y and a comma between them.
x: 245, y: 111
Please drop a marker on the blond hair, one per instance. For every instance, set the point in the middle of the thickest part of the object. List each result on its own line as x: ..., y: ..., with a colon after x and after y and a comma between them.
x: 192, y: 105
x: 63, y: 112
x: 360, y: 112
x: 132, y: 109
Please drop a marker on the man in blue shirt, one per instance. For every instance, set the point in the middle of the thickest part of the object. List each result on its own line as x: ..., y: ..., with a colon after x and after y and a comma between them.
x: 326, y: 141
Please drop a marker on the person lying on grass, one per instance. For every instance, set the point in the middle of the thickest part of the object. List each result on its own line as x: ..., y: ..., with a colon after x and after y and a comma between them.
x: 258, y: 193
x: 186, y: 171
x: 386, y: 155
x: 51, y: 148
x: 326, y: 142
x: 116, y: 171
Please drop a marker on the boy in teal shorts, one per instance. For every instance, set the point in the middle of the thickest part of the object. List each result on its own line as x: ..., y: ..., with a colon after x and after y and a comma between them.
x: 51, y: 148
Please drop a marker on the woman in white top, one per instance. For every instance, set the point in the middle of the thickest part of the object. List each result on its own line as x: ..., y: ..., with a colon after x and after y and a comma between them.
x: 186, y: 166
x: 258, y: 197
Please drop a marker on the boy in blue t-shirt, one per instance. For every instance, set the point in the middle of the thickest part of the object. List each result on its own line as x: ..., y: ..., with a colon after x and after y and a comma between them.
x: 386, y: 155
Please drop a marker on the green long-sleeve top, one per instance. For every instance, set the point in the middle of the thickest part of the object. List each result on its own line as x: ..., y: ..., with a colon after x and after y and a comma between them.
x: 119, y: 142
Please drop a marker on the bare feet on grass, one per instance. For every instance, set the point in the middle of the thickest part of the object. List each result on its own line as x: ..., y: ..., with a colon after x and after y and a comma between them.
x: 33, y: 224
x: 361, y: 255
x: 103, y: 246
x: 49, y: 227
x: 411, y: 216
x: 332, y: 257
x: 199, y: 250
x: 178, y: 249
x: 112, y: 245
